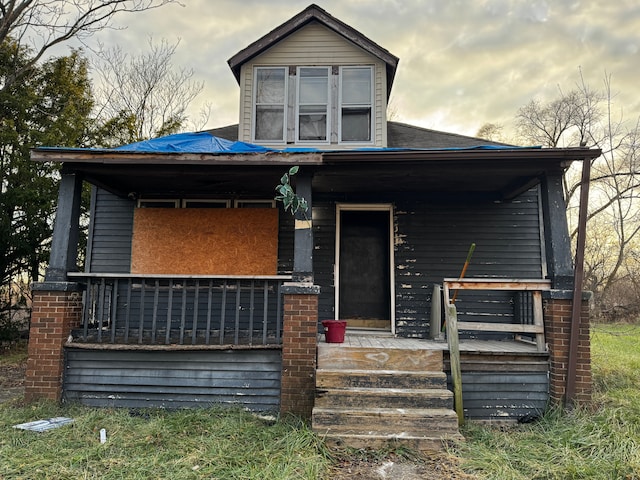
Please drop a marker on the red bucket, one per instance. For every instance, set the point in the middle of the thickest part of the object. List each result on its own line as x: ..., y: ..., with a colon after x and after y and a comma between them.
x: 334, y: 330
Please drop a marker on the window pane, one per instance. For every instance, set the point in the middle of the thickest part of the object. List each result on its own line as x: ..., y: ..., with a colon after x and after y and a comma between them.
x: 312, y: 122
x: 270, y: 85
x: 356, y: 86
x: 269, y: 123
x: 314, y: 84
x: 356, y: 124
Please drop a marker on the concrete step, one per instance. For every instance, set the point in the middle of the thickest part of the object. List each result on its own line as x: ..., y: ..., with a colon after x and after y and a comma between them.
x: 385, y: 398
x: 412, y: 422
x: 336, y: 357
x: 326, y: 379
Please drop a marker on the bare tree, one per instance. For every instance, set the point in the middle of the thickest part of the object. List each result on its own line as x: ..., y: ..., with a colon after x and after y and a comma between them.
x: 566, y: 121
x: 41, y: 24
x: 143, y: 96
x: 586, y: 117
x: 493, y: 132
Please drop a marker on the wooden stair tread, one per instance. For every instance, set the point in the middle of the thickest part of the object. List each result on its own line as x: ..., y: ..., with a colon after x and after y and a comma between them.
x: 372, y: 358
x: 354, y: 371
x: 377, y: 411
x: 439, y: 392
x: 396, y: 436
x: 423, y: 443
x: 342, y: 421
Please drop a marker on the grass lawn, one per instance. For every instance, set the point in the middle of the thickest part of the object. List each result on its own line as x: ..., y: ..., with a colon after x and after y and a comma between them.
x: 599, y: 442
x: 185, y: 444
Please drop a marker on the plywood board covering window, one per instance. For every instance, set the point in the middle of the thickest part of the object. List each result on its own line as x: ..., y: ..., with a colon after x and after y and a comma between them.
x: 199, y: 241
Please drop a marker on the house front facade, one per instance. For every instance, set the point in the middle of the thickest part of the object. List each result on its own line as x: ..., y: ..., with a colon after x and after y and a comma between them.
x: 198, y: 288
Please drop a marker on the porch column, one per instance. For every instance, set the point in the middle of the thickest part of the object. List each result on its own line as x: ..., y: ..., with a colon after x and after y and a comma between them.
x: 557, y: 325
x: 300, y: 321
x: 56, y: 304
x: 56, y: 310
x: 64, y: 243
x: 303, y: 237
x: 299, y: 342
x: 556, y: 232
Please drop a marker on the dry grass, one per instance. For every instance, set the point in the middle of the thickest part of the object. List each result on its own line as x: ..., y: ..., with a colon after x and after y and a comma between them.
x: 600, y: 442
x: 187, y: 444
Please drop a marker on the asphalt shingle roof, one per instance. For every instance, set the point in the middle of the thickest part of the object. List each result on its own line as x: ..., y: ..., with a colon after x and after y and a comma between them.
x: 399, y: 135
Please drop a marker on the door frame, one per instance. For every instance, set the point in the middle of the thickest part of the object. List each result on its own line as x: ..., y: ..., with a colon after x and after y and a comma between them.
x: 366, y: 207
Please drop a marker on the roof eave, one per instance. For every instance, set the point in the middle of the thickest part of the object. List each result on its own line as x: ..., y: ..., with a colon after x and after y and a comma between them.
x: 79, y: 156
x: 563, y: 155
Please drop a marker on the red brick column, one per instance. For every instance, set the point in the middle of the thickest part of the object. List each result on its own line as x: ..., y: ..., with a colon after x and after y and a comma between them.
x: 299, y: 341
x: 56, y: 310
x: 557, y: 324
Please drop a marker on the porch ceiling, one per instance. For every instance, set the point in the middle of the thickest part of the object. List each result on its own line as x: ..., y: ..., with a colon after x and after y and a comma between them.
x: 500, y: 174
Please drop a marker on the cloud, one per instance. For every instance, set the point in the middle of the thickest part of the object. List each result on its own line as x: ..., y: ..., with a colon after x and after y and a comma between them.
x: 462, y: 63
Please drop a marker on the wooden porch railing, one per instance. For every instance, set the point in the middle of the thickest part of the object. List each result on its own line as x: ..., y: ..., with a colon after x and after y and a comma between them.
x: 529, y: 323
x: 180, y: 309
x: 528, y: 305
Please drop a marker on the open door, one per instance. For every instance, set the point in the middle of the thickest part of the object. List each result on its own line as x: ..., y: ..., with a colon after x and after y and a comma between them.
x: 364, y: 260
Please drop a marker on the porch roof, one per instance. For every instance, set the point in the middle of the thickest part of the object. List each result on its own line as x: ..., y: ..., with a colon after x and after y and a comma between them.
x: 500, y: 173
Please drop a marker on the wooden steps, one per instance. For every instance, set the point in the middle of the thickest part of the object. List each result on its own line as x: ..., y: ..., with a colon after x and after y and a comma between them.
x: 368, y: 397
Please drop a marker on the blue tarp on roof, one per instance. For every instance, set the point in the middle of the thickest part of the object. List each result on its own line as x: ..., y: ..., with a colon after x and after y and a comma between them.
x: 204, y: 142
x: 201, y: 142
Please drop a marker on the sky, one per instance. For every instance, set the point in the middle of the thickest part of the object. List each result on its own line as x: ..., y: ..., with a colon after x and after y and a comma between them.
x: 462, y: 63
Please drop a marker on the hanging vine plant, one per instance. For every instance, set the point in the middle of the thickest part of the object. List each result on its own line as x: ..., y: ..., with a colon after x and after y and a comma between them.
x: 290, y: 200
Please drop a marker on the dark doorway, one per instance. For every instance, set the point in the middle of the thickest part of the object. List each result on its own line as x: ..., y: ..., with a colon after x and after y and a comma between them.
x: 364, y: 292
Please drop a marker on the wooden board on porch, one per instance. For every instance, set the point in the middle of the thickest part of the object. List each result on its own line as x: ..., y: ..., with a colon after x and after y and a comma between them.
x: 368, y: 323
x: 498, y: 347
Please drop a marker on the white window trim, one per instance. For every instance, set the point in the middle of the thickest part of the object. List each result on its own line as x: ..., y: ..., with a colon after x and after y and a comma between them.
x: 297, y: 105
x: 168, y: 201
x: 183, y: 203
x: 371, y: 105
x: 226, y: 203
x: 254, y: 104
x: 238, y: 203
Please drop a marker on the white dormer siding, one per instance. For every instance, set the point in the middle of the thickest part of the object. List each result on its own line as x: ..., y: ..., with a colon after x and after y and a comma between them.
x: 312, y: 46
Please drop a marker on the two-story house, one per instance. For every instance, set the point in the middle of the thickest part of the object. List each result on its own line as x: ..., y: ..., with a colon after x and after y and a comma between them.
x: 199, y: 289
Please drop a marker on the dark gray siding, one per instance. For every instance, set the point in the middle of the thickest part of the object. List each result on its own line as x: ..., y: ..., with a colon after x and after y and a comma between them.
x: 432, y: 242
x: 174, y: 379
x: 110, y: 233
x: 324, y: 232
x: 285, y: 242
x: 503, y: 387
x: 432, y: 239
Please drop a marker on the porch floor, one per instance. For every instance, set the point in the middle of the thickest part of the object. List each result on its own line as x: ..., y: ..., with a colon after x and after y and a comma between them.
x: 382, y: 340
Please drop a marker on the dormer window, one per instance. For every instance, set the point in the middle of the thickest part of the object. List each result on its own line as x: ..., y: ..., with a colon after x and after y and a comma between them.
x: 355, y: 104
x: 313, y: 105
x: 270, y: 95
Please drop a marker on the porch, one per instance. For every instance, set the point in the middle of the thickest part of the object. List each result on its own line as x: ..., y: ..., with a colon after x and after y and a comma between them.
x: 375, y: 388
x: 354, y: 339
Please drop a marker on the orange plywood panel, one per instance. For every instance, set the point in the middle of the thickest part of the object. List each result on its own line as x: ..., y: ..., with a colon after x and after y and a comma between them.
x: 200, y: 241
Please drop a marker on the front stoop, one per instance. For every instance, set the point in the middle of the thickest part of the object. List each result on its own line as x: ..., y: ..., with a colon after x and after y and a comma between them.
x: 369, y: 397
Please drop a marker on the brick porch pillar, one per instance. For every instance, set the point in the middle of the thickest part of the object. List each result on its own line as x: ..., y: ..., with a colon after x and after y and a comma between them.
x: 557, y: 324
x: 299, y: 342
x: 56, y: 310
